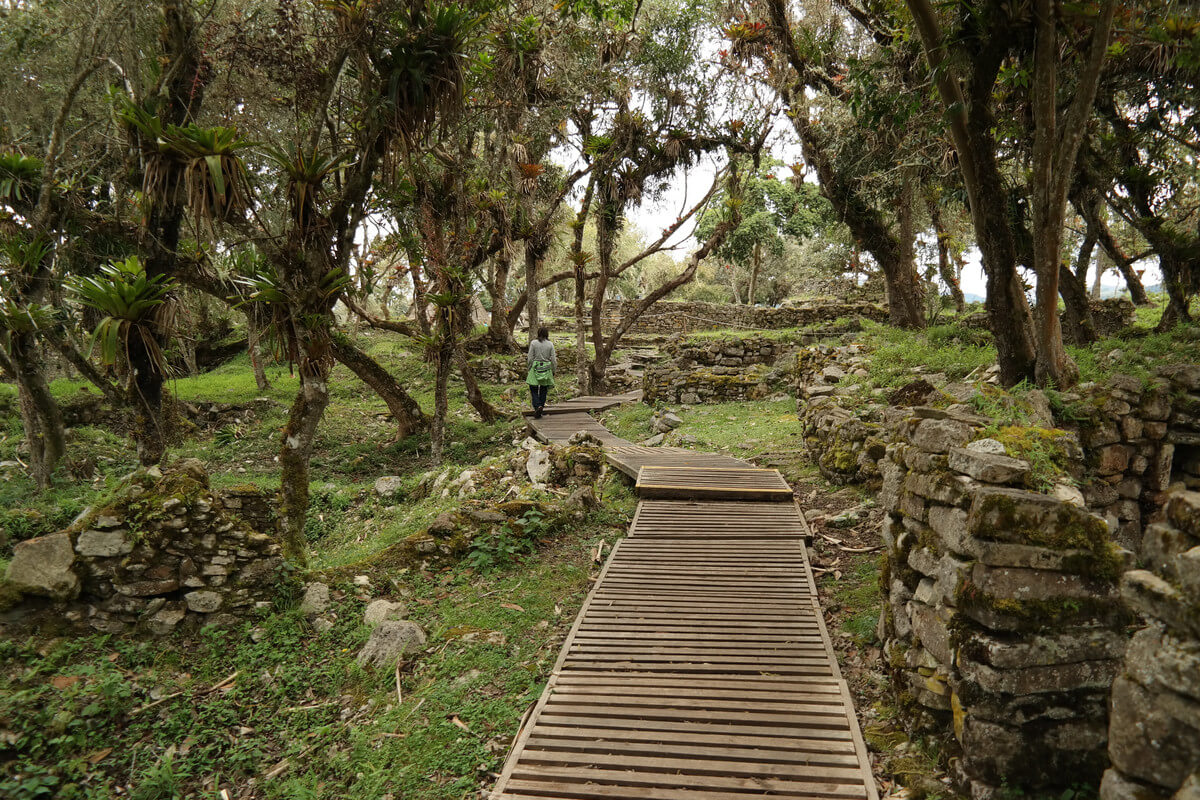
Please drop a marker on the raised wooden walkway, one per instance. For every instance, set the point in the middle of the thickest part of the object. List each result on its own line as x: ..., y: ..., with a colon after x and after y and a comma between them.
x: 699, y: 667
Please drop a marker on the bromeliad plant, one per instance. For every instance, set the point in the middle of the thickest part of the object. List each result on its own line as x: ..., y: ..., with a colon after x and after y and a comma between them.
x: 305, y: 171
x: 137, y: 309
x: 213, y: 174
x: 19, y: 178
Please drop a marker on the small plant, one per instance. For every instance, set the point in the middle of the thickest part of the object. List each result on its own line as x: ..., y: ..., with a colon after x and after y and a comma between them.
x: 499, y: 547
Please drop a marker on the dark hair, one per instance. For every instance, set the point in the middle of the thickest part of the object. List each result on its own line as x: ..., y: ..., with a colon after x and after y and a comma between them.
x: 543, y: 333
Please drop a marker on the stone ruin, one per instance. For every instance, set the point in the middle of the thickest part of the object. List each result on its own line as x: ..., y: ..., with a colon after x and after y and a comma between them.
x: 671, y: 317
x: 1008, y: 598
x: 1154, y: 737
x: 163, y: 553
x: 1001, y: 621
x: 721, y: 370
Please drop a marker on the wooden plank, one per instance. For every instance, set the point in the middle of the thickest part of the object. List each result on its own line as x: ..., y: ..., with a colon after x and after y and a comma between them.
x: 705, y: 483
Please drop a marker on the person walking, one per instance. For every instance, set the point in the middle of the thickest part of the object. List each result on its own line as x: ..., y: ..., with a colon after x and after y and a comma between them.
x: 542, y: 363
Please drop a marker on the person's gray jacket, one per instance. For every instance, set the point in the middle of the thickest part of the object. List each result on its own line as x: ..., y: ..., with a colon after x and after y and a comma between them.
x: 542, y: 350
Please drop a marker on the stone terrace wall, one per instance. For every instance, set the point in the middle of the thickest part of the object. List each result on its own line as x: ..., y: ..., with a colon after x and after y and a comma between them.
x: 1154, y: 737
x: 719, y: 370
x: 1002, y: 619
x: 673, y: 317
x: 165, y: 553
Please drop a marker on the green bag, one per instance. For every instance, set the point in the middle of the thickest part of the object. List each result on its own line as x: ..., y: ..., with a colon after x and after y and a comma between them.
x: 541, y: 373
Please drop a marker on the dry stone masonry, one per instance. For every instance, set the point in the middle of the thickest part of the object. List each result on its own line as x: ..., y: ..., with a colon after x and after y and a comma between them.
x: 719, y: 370
x: 674, y: 317
x: 165, y: 552
x: 1002, y: 621
x: 1154, y: 737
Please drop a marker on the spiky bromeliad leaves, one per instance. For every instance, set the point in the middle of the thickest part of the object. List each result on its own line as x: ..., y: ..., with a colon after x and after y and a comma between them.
x: 134, y: 304
x: 20, y: 177
x: 214, y: 176
x: 305, y: 172
x: 425, y: 71
x: 292, y: 326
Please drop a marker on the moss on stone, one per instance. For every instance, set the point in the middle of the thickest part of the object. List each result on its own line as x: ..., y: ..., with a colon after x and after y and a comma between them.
x: 1067, y: 528
x: 1033, y: 615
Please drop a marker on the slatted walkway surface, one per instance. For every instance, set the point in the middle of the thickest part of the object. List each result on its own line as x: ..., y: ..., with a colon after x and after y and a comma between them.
x: 631, y: 458
x: 699, y: 667
x: 559, y: 428
x: 712, y: 483
x: 593, y: 403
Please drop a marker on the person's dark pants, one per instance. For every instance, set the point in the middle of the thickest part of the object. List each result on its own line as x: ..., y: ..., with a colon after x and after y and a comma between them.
x: 537, y: 396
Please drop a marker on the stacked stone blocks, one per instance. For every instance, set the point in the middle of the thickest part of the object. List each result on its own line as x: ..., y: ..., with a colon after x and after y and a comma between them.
x: 164, y: 552
x: 1002, y: 619
x: 1154, y: 739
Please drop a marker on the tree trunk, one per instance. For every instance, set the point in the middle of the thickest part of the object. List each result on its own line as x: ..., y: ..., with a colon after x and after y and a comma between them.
x: 1174, y: 270
x: 443, y: 363
x: 756, y: 265
x: 946, y: 267
x: 111, y: 391
x: 145, y: 397
x: 41, y: 417
x: 1102, y: 264
x: 971, y: 125
x: 535, y: 251
x: 1078, y: 325
x: 906, y: 306
x: 1093, y: 212
x: 298, y: 436
x: 475, y: 397
x: 254, y: 334
x: 405, y: 410
x: 500, y: 336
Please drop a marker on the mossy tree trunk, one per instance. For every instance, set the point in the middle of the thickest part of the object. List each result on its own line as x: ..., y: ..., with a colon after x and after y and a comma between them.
x: 254, y: 335
x: 146, y: 399
x: 405, y: 410
x: 295, y: 454
x: 41, y: 417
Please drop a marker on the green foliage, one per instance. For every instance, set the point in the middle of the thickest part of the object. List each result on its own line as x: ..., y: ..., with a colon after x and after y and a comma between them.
x: 134, y: 304
x: 305, y: 172
x: 946, y: 349
x: 503, y: 546
x: 20, y: 177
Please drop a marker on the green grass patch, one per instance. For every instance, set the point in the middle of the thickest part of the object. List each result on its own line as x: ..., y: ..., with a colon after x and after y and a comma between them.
x: 857, y: 592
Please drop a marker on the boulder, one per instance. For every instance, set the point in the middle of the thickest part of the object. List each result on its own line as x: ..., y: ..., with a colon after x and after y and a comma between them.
x: 380, y: 611
x: 940, y: 435
x: 316, y: 600
x: 538, y: 466
x: 990, y: 446
x: 43, y: 566
x: 391, y: 641
x: 103, y: 544
x: 1155, y: 737
x: 988, y: 467
x: 387, y: 486
x: 203, y: 602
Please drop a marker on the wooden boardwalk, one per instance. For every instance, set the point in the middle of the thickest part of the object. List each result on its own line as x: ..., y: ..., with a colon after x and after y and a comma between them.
x: 631, y: 458
x: 699, y: 667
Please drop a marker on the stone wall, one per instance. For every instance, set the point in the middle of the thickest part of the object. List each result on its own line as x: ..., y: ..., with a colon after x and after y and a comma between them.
x: 1001, y: 619
x: 719, y: 370
x: 674, y: 317
x: 1138, y: 437
x: 1110, y: 316
x: 165, y: 552
x: 1154, y: 736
